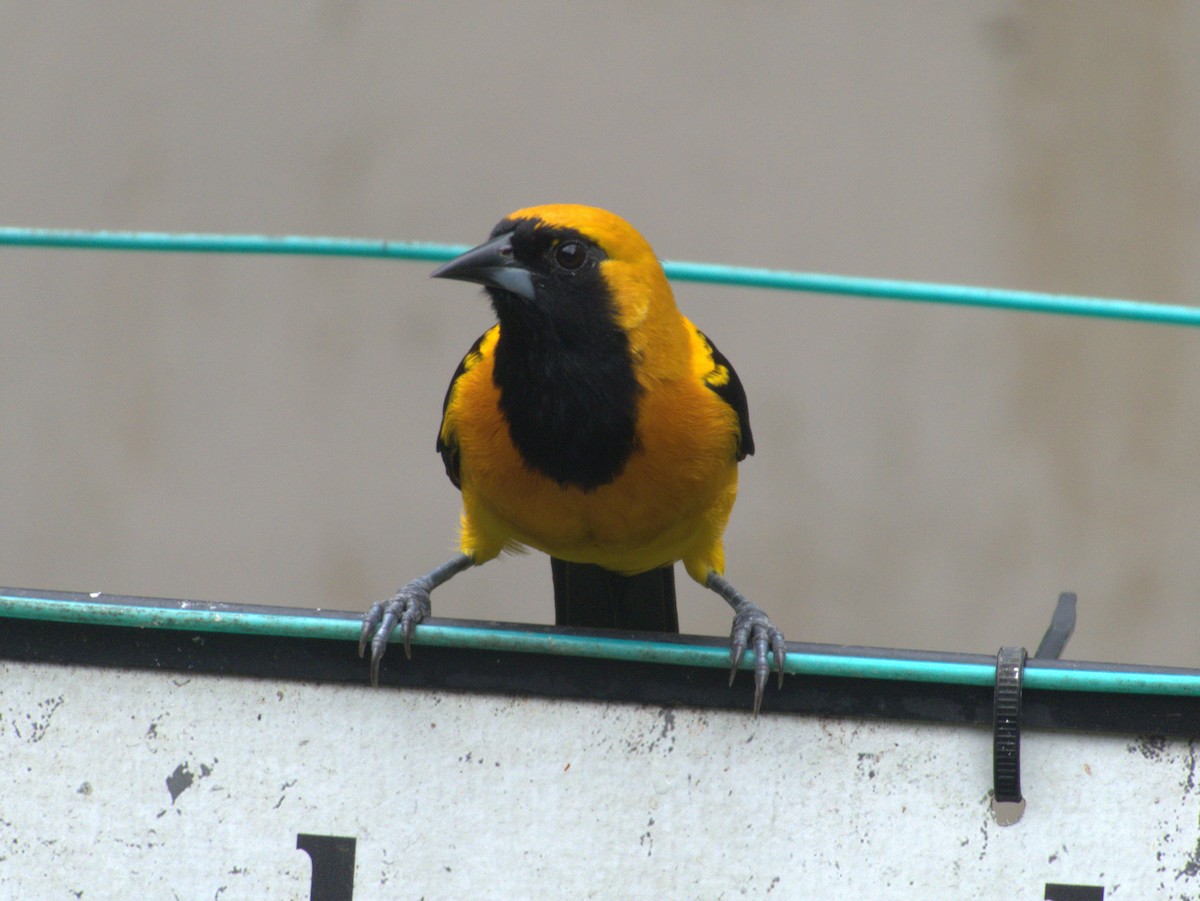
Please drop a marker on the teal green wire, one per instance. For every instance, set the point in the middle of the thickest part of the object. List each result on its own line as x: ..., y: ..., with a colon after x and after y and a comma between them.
x: 203, y: 618
x: 177, y: 242
x: 963, y: 295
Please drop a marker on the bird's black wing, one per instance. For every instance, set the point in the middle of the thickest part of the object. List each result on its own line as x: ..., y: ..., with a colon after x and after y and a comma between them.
x: 447, y: 446
x: 724, y: 382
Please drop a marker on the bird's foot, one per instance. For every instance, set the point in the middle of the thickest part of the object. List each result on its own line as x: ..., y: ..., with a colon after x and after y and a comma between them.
x: 752, y: 628
x: 406, y: 608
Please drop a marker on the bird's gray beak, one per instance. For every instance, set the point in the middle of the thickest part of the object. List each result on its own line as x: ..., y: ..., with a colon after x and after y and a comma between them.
x: 492, y: 265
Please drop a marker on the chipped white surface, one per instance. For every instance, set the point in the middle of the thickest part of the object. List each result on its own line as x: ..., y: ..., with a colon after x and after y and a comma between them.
x: 457, y: 796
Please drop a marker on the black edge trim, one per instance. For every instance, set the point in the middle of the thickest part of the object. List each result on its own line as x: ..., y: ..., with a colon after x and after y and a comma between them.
x: 579, y: 678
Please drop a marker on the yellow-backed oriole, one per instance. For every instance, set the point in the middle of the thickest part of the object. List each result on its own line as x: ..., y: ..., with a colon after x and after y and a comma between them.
x: 594, y: 422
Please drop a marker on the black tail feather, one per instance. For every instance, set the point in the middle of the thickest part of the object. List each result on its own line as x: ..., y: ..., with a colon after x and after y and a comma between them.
x: 591, y: 596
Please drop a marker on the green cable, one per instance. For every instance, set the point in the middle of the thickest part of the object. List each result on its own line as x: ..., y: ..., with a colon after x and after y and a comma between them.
x: 184, y: 242
x: 990, y: 298
x: 203, y: 618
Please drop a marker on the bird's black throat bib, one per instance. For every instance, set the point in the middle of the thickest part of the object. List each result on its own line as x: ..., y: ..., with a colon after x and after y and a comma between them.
x: 567, y: 390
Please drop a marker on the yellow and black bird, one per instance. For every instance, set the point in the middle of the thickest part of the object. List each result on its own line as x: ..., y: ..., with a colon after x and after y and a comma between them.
x: 594, y: 422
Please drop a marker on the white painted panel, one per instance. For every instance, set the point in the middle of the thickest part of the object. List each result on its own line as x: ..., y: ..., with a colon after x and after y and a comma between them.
x: 457, y: 796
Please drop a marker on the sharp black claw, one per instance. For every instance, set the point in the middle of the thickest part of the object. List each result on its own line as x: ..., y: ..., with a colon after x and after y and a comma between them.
x: 736, y: 652
x: 406, y: 630
x: 738, y: 638
x: 408, y: 607
x: 780, y: 653
x: 752, y: 627
x: 375, y: 659
x: 371, y: 620
x: 762, y: 667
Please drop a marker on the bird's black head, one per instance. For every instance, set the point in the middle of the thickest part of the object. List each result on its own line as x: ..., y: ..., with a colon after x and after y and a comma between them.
x: 532, y: 269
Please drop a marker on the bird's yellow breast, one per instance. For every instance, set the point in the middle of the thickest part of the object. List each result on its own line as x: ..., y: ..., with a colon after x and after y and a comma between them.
x: 670, y: 502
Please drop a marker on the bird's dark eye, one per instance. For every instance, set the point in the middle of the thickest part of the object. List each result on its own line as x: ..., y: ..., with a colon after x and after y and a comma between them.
x: 570, y: 254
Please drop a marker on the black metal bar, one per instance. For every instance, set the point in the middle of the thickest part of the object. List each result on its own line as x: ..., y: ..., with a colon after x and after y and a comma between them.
x: 1062, y: 624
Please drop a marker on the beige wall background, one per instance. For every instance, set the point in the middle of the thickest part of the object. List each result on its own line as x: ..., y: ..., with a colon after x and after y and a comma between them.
x: 261, y: 430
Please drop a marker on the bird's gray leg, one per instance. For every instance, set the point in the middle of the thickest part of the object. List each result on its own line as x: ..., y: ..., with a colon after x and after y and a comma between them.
x: 751, y: 627
x: 405, y: 608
